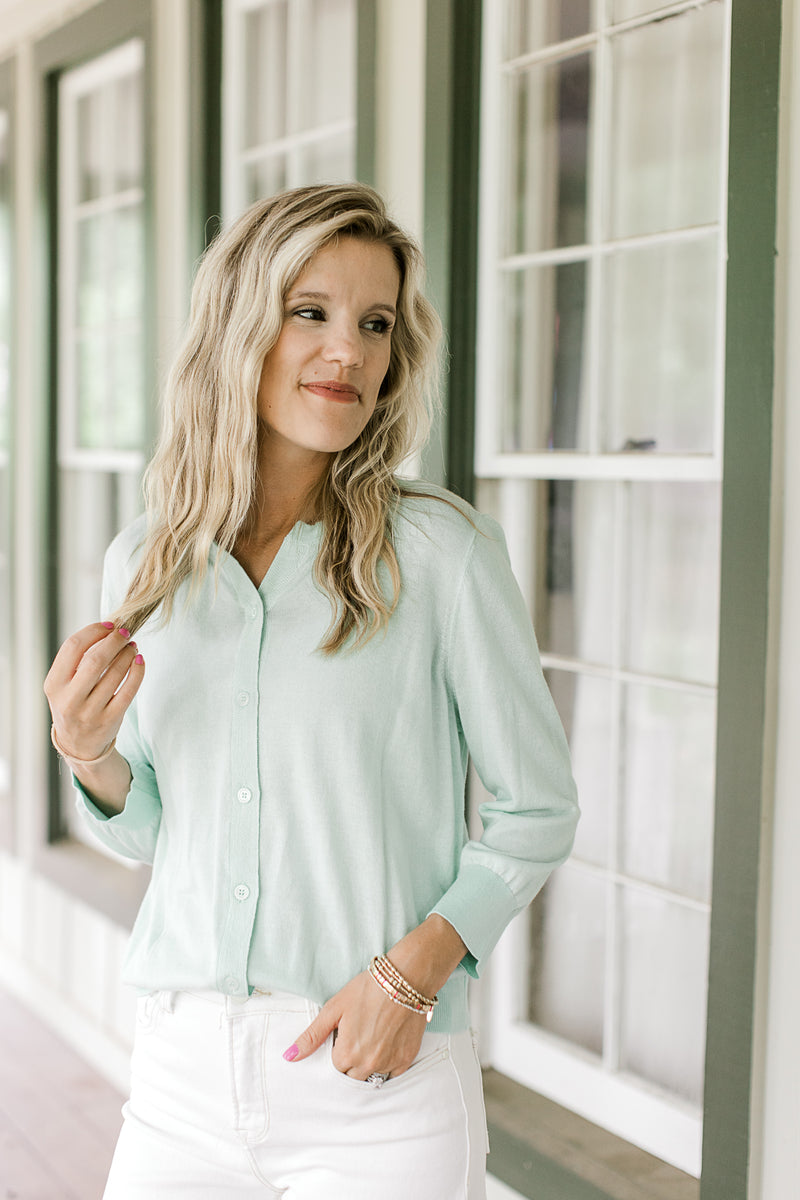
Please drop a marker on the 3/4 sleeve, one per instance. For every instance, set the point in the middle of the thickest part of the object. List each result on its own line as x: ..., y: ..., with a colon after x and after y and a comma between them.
x: 133, y: 832
x: 517, y: 744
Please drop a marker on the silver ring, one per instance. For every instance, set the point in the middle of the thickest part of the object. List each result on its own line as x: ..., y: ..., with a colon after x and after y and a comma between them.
x: 377, y: 1078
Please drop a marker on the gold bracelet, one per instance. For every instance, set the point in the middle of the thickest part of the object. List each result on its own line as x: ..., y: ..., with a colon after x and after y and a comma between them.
x: 83, y: 762
x: 387, y: 967
x: 398, y: 989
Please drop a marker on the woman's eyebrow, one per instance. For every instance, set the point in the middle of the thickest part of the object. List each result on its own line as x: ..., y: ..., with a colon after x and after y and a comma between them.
x: 389, y: 308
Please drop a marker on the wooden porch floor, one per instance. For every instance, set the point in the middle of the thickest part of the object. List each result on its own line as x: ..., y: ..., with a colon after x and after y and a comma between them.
x: 59, y: 1120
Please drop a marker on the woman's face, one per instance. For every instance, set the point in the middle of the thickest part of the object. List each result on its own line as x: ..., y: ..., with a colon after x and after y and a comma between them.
x: 320, y: 382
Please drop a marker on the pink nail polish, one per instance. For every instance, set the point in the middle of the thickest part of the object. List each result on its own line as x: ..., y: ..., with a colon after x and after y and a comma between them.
x: 107, y: 624
x: 291, y: 1054
x: 126, y: 633
x: 138, y: 660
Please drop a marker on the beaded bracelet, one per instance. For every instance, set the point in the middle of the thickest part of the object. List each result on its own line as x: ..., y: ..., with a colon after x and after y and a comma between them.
x: 398, y: 989
x: 82, y: 762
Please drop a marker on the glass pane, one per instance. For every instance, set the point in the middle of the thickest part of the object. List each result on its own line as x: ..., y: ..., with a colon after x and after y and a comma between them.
x: 128, y: 139
x: 265, y: 75
x: 574, y: 613
x: 542, y: 317
x: 128, y: 266
x: 126, y: 416
x: 548, y: 124
x: 585, y: 706
x: 92, y: 151
x: 331, y: 39
x: 94, y: 246
x: 665, y: 967
x: 667, y: 123
x: 265, y: 178
x: 567, y: 960
x: 531, y: 24
x: 668, y: 803
x: 331, y: 160
x: 92, y: 391
x: 625, y: 10
x: 673, y: 601
x: 660, y: 318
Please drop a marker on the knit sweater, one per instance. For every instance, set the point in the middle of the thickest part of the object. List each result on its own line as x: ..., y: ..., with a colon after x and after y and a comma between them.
x: 303, y: 811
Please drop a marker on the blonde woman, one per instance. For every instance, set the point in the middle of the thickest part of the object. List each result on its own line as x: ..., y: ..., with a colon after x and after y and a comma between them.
x: 319, y: 646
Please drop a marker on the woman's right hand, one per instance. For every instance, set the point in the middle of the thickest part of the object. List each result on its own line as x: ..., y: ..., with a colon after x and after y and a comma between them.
x: 93, y: 679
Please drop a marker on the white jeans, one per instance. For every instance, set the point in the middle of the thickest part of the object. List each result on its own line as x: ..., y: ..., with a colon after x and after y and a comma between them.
x: 216, y: 1113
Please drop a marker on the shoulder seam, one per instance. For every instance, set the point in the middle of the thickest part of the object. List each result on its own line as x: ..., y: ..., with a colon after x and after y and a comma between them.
x: 451, y: 620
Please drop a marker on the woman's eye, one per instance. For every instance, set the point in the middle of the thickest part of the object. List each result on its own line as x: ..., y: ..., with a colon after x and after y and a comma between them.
x: 309, y: 313
x: 377, y: 325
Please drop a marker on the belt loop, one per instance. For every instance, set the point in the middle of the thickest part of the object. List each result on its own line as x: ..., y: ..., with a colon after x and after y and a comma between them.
x: 168, y: 1001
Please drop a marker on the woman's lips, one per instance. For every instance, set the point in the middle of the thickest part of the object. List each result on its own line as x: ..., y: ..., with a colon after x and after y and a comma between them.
x: 329, y: 389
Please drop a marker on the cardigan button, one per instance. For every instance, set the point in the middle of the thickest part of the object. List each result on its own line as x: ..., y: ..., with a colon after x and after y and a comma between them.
x: 243, y: 699
x: 244, y: 795
x: 241, y: 891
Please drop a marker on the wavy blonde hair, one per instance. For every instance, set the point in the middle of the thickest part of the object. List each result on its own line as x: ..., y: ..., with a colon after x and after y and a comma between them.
x: 201, y: 484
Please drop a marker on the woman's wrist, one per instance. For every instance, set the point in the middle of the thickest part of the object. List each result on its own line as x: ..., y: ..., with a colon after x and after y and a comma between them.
x: 428, y: 955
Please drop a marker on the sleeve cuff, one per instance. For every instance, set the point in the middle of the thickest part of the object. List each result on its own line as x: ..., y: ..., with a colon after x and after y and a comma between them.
x: 479, y: 906
x: 131, y: 832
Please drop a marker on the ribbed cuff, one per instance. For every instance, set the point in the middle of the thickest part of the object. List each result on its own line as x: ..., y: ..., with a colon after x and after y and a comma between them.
x: 478, y: 905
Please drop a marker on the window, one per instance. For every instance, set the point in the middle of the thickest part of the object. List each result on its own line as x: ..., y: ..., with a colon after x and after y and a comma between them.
x: 601, y: 316
x: 289, y: 118
x: 102, y: 404
x: 5, y: 471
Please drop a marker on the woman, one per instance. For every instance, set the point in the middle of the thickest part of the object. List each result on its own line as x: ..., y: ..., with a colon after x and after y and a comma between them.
x: 324, y: 647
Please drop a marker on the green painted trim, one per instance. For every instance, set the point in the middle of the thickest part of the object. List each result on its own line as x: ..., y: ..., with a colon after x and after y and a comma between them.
x: 366, y: 90
x: 94, y: 32
x: 755, y: 66
x: 205, y: 100
x: 452, y: 130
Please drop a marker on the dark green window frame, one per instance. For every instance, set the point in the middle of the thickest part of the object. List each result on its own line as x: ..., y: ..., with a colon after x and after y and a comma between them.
x: 535, y: 1166
x: 77, y: 868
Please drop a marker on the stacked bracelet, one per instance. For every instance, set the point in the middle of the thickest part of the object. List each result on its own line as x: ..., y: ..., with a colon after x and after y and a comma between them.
x: 82, y: 762
x: 398, y: 989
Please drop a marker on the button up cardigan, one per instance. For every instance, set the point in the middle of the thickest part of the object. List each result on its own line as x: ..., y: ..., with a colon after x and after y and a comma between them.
x: 303, y: 811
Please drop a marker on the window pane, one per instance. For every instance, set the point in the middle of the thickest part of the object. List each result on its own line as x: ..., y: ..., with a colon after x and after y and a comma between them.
x: 624, y: 10
x: 667, y: 123
x: 265, y: 178
x: 126, y: 415
x: 660, y: 319
x: 92, y: 157
x: 531, y: 24
x: 127, y: 138
x: 94, y: 245
x: 567, y: 941
x: 548, y: 123
x: 542, y: 320
x: 673, y: 602
x: 663, y: 993
x: 265, y: 117
x: 585, y: 706
x: 668, y: 802
x: 331, y: 160
x: 331, y: 40
x: 127, y: 231
x: 574, y: 603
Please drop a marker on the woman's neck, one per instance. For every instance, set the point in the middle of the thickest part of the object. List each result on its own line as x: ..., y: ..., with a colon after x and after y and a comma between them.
x: 287, y: 489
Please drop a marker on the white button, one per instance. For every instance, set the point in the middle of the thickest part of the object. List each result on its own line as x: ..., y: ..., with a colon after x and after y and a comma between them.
x: 241, y: 891
x: 243, y: 698
x: 252, y: 612
x: 231, y: 986
x: 244, y: 795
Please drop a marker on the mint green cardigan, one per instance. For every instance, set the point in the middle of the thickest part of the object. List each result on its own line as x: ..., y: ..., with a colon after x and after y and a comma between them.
x: 302, y: 812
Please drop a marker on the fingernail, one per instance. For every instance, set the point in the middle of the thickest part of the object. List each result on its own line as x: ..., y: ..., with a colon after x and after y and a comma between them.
x: 125, y: 632
x: 108, y: 624
x: 138, y: 660
x: 291, y: 1054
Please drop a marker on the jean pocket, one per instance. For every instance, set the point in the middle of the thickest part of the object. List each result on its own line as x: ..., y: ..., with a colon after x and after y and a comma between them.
x: 428, y: 1056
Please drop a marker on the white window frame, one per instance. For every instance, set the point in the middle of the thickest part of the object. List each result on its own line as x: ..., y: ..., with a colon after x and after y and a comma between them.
x: 126, y: 59
x: 235, y: 157
x: 659, y: 1122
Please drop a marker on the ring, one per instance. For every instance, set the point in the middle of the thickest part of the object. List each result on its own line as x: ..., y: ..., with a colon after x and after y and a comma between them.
x: 377, y: 1078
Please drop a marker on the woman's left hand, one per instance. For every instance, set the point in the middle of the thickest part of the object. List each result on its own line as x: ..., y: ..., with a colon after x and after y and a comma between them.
x: 374, y: 1034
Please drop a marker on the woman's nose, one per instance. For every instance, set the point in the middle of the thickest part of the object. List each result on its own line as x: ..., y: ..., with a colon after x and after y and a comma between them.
x: 343, y: 345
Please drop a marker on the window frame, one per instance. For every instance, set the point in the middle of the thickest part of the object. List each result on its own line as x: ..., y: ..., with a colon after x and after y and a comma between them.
x: 549, y: 1173
x: 78, y: 868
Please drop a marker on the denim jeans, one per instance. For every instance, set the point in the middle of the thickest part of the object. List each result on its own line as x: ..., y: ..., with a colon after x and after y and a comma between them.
x: 216, y: 1113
